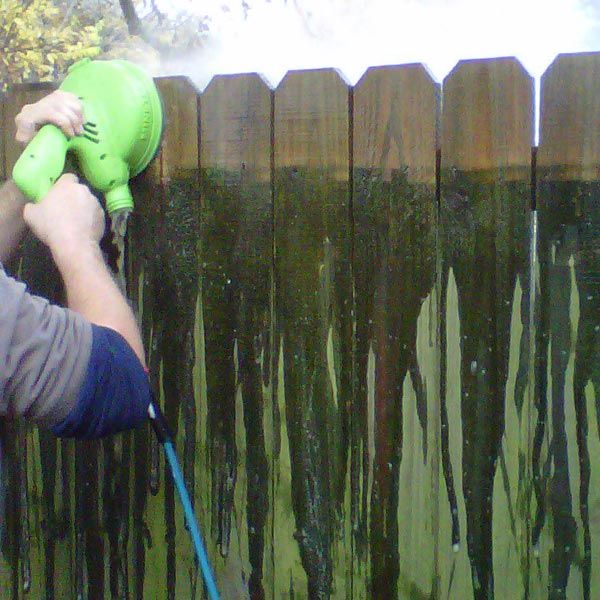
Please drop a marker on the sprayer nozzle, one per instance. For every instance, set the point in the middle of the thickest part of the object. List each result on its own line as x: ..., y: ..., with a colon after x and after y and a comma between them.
x: 119, y: 198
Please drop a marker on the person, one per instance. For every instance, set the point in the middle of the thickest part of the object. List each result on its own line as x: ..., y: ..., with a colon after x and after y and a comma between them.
x: 78, y: 370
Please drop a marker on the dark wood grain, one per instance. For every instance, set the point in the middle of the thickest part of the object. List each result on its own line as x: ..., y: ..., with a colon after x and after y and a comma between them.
x: 164, y: 247
x: 487, y: 134
x: 313, y: 303
x: 395, y: 458
x: 237, y: 282
x: 566, y: 530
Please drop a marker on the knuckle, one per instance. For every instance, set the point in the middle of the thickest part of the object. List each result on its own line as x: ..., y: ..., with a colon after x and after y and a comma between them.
x: 24, y: 110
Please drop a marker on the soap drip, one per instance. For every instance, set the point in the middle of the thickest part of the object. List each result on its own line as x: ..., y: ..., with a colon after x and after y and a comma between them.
x: 119, y: 220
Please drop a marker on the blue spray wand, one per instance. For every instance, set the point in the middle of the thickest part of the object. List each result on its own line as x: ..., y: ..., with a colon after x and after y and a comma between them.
x: 159, y: 424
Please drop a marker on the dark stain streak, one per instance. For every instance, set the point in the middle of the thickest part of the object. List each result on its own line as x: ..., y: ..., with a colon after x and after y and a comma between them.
x: 483, y: 231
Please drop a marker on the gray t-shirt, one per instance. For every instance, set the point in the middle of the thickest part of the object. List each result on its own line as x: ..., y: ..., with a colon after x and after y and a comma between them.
x: 44, y: 354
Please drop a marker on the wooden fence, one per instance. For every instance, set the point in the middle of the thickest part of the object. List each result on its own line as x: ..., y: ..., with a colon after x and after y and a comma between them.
x: 379, y: 390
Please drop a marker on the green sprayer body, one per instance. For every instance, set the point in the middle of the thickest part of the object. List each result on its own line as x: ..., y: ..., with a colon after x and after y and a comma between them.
x: 122, y: 131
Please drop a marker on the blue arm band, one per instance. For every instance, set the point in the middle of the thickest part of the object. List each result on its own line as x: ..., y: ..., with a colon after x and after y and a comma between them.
x: 115, y: 394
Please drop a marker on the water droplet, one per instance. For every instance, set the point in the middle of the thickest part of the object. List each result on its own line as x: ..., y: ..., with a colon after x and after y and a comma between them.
x: 455, y: 547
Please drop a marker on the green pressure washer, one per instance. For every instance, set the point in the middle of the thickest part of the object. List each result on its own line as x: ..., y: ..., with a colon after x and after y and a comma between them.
x: 122, y: 133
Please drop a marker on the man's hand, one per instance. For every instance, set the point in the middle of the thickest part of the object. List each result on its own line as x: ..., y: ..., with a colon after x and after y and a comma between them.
x: 62, y: 109
x: 68, y: 219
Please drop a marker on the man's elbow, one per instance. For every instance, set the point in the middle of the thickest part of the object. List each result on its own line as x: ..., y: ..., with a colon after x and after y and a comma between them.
x: 116, y: 393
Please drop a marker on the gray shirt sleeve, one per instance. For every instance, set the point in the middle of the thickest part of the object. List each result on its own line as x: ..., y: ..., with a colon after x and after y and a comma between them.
x: 44, y: 354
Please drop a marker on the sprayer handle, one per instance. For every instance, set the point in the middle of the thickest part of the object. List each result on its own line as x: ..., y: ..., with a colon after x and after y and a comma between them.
x: 41, y: 163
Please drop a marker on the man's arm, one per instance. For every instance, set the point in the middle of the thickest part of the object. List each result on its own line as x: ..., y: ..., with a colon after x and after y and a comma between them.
x: 78, y: 370
x: 92, y: 292
x: 12, y: 224
x: 70, y: 221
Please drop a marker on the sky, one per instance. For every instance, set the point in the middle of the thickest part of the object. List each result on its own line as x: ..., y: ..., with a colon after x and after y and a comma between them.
x: 271, y: 37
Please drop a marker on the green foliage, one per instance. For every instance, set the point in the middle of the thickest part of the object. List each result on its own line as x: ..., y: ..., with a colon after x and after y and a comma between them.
x: 40, y: 40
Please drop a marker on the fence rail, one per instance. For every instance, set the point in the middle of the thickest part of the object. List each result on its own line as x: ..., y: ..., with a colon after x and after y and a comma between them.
x: 381, y: 364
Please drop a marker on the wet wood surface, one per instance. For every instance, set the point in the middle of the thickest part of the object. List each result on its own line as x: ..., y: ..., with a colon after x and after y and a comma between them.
x: 347, y: 365
x: 164, y: 282
x: 487, y: 134
x: 395, y: 415
x: 237, y: 280
x: 566, y: 450
x: 313, y: 335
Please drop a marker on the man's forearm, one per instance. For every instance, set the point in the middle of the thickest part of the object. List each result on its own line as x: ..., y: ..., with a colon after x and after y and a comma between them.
x: 12, y: 225
x: 92, y: 292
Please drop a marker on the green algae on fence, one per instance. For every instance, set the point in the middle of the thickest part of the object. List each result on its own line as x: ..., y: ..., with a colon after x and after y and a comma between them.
x: 237, y: 280
x: 395, y: 415
x: 487, y: 131
x: 566, y: 451
x: 313, y: 304
x: 164, y: 255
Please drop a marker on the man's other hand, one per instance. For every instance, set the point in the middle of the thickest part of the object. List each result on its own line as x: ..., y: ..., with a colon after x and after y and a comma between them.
x: 68, y: 219
x: 59, y: 108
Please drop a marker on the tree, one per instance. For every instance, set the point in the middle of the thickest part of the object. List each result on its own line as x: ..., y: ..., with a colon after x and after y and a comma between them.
x: 40, y: 41
x: 131, y: 17
x: 168, y: 34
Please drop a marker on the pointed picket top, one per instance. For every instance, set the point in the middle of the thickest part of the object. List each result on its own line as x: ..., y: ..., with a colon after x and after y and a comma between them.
x: 179, y: 147
x: 487, y: 115
x: 302, y: 73
x: 420, y: 67
x: 470, y: 64
x: 570, y: 116
x: 236, y: 124
x: 396, y: 111
x: 221, y: 79
x: 309, y: 103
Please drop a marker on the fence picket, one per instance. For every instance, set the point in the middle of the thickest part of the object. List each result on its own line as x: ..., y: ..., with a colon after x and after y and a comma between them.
x: 313, y: 335
x: 487, y: 134
x: 164, y: 282
x: 396, y: 411
x: 237, y: 280
x: 566, y: 451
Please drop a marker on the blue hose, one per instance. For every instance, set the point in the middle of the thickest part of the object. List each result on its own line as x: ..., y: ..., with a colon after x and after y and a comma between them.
x: 165, y: 438
x: 190, y: 517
